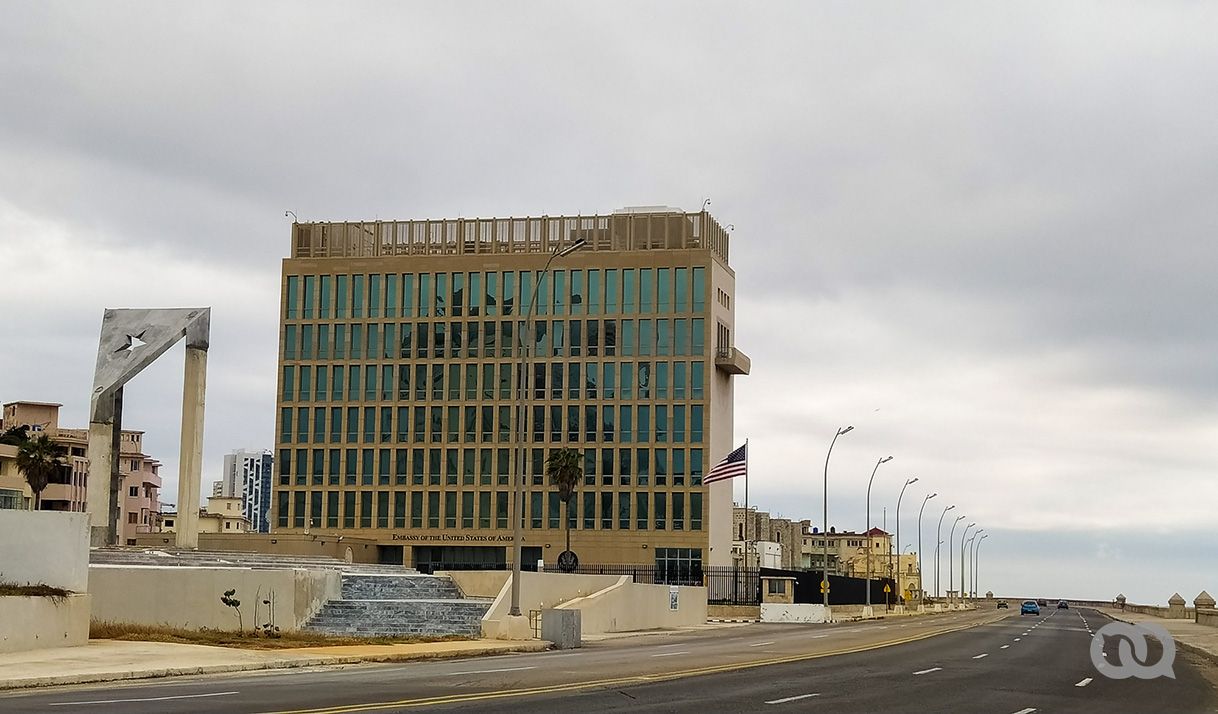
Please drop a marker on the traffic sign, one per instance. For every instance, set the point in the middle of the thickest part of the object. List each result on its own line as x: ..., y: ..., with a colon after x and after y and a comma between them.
x: 887, y: 588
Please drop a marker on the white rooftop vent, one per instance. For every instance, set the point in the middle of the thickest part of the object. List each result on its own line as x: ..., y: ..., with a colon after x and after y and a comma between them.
x: 648, y: 209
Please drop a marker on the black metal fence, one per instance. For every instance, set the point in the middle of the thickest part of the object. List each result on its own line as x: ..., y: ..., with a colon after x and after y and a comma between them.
x: 725, y: 584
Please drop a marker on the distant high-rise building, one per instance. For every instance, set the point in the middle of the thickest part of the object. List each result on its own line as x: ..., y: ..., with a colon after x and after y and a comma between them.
x: 247, y: 475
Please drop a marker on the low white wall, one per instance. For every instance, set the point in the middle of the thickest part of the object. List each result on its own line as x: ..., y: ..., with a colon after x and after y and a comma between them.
x: 478, y: 583
x: 190, y: 597
x: 537, y: 592
x: 798, y: 612
x: 28, y: 623
x: 627, y: 606
x: 45, y: 547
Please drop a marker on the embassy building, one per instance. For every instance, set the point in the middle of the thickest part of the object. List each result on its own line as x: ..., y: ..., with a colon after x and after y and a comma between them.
x: 399, y: 390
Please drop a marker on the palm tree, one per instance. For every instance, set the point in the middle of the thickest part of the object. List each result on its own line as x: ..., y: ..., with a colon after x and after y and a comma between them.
x: 39, y: 458
x: 565, y: 468
x: 15, y: 436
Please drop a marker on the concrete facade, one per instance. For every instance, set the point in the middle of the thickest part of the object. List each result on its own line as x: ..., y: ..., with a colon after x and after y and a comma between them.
x: 44, y: 547
x: 131, y: 340
x: 399, y: 386
x: 30, y: 623
x: 247, y: 475
x: 793, y: 613
x: 190, y: 597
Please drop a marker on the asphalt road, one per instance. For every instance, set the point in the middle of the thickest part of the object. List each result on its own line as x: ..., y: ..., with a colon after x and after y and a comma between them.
x: 982, y: 662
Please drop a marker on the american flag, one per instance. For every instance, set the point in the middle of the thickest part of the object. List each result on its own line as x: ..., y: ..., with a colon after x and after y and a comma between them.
x: 733, y: 465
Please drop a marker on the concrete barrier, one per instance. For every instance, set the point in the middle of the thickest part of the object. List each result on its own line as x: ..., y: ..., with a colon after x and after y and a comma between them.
x: 190, y: 597
x: 627, y: 606
x: 797, y: 612
x: 28, y: 623
x: 45, y: 547
x: 1207, y: 617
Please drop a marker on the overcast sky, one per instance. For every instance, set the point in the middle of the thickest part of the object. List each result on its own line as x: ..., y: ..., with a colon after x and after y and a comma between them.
x: 984, y: 236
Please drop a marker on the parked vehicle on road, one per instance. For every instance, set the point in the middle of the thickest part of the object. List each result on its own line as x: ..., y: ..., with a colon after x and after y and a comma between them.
x: 1029, y: 607
x: 1063, y: 605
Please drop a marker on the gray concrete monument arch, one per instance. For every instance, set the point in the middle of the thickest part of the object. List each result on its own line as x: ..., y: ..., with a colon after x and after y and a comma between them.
x: 130, y: 341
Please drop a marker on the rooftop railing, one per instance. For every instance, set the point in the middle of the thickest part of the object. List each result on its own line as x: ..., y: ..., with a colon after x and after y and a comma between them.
x: 478, y: 236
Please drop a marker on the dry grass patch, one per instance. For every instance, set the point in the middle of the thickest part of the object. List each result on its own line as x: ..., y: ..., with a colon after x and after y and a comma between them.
x: 244, y: 640
x: 40, y: 590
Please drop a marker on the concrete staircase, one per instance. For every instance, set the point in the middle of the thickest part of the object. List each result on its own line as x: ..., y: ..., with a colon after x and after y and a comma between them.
x: 170, y: 557
x: 397, y: 605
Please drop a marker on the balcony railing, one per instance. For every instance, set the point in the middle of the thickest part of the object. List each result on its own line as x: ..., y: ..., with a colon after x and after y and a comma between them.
x: 544, y: 234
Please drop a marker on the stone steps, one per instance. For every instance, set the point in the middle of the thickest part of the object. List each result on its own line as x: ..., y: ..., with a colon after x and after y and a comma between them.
x: 380, y: 605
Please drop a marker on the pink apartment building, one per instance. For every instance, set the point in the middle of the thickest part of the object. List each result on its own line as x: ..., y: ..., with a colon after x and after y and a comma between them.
x: 141, y: 484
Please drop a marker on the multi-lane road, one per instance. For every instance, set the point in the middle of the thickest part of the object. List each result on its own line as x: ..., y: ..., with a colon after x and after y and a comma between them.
x: 989, y: 661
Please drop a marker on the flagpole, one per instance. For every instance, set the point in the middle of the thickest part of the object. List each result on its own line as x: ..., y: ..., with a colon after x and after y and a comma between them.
x: 747, y: 518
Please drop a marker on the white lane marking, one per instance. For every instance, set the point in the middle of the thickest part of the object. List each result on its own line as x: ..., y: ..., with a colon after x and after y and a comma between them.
x: 1004, y: 647
x: 760, y: 644
x: 1017, y: 639
x: 491, y: 671
x: 146, y: 699
x: 1029, y: 710
x: 928, y: 671
x: 669, y: 654
x: 982, y: 655
x: 817, y: 637
x: 1084, y: 683
x: 784, y: 700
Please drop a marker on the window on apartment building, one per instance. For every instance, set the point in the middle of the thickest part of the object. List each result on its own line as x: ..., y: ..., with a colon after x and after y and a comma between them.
x: 133, y: 491
x: 133, y: 518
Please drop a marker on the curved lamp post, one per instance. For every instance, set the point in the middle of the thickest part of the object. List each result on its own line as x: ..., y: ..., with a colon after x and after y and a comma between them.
x: 824, y: 584
x: 921, y: 579
x: 939, y: 542
x: 951, y: 538
x: 964, y: 562
x: 976, y: 559
x: 962, y: 537
x: 526, y: 390
x: 896, y: 571
x: 867, y: 525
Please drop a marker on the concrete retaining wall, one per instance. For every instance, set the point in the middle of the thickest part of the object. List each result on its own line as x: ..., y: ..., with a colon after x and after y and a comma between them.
x: 627, y: 606
x: 45, y: 547
x: 1206, y: 616
x: 795, y: 612
x: 190, y: 597
x: 28, y: 623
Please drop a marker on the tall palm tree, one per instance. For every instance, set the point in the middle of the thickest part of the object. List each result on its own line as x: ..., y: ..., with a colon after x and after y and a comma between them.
x: 39, y: 458
x: 565, y: 468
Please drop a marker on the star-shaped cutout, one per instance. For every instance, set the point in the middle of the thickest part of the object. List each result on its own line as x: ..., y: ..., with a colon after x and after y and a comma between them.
x: 133, y: 342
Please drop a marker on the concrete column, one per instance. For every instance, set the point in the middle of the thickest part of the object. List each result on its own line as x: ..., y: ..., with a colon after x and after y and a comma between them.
x: 190, y: 461
x: 97, y: 487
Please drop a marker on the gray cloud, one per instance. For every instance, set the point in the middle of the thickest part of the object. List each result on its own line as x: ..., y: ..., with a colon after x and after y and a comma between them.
x: 992, y: 223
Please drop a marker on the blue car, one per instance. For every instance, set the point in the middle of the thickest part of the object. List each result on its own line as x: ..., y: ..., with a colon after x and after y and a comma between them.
x: 1029, y: 607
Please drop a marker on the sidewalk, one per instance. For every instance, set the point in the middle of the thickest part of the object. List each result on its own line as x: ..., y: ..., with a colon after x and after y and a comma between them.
x: 1201, y: 639
x: 112, y: 660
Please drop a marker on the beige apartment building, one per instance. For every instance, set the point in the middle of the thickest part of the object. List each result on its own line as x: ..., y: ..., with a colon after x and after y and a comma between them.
x: 400, y: 386
x: 802, y: 545
x: 141, y: 482
x: 222, y: 514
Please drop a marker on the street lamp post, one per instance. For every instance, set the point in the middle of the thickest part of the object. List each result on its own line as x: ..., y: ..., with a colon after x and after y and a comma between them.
x: 921, y: 579
x: 964, y: 562
x: 824, y: 584
x: 951, y: 538
x: 522, y: 427
x: 939, y: 542
x: 867, y: 525
x: 962, y: 537
x: 896, y: 572
x: 976, y: 560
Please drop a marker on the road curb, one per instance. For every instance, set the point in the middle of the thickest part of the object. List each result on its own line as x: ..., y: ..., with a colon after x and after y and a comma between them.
x: 282, y: 664
x: 1212, y: 657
